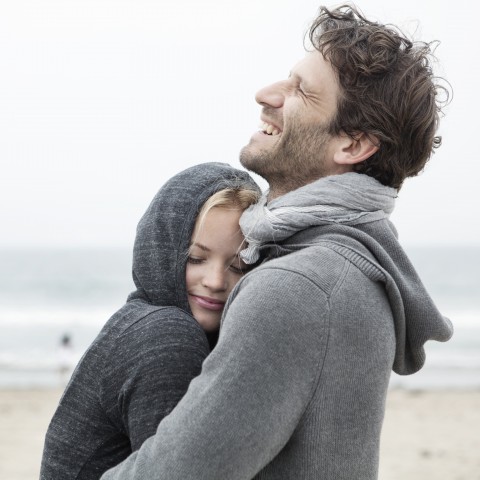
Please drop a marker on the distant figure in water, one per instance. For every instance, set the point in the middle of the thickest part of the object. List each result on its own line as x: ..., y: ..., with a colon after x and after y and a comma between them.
x: 66, y: 360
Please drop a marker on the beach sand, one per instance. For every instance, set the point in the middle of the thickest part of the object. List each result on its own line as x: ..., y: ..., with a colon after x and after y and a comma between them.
x: 425, y: 434
x: 431, y: 435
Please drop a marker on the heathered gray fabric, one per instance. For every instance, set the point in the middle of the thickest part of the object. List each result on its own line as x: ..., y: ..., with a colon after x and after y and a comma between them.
x: 355, y: 200
x: 143, y: 360
x: 296, y: 387
x: 347, y: 199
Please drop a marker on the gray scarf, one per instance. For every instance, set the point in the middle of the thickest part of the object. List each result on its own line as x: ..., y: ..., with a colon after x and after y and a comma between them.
x: 349, y: 199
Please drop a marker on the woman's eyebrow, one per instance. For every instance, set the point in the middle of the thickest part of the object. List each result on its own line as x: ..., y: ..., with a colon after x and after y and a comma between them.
x: 200, y: 246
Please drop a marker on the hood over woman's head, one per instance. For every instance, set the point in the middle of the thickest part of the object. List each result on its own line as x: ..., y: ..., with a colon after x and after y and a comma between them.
x: 164, y: 232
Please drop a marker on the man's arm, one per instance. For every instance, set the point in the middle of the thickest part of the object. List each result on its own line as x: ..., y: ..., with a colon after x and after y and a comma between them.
x: 253, y: 389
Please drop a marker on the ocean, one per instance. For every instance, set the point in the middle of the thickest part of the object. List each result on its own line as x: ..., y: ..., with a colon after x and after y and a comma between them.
x: 46, y: 295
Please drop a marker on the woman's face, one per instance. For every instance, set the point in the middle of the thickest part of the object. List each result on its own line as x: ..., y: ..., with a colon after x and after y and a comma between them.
x: 213, y: 265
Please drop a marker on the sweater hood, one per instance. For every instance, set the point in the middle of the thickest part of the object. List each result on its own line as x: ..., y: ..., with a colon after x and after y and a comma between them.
x: 164, y: 231
x: 373, y: 247
x: 349, y: 214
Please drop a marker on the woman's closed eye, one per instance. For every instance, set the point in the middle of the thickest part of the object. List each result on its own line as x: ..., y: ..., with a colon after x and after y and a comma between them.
x: 239, y: 267
x: 195, y: 260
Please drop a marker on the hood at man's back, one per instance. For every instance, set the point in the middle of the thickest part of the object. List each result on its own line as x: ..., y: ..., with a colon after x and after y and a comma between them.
x: 349, y: 212
x: 164, y: 231
x: 416, y: 317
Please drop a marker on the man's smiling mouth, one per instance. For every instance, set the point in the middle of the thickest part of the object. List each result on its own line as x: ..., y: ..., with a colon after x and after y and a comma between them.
x: 269, y: 129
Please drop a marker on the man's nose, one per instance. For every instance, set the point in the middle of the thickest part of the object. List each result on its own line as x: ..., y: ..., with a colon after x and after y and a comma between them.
x: 273, y: 95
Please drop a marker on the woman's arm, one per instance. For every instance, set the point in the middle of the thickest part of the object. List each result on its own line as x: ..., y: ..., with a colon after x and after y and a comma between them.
x: 152, y: 365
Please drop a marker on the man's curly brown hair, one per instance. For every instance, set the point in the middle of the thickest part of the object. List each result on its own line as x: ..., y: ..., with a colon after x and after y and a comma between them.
x: 388, y: 91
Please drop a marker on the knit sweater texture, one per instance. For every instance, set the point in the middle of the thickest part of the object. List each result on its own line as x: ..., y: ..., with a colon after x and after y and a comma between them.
x: 296, y: 387
x: 143, y: 360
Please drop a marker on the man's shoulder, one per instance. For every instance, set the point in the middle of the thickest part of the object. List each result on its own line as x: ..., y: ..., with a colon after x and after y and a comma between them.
x: 316, y: 255
x: 319, y: 264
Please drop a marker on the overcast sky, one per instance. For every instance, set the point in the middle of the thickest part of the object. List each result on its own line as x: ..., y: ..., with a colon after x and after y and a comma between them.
x: 101, y: 101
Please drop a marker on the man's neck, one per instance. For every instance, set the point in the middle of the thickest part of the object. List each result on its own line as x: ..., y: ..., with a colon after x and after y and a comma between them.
x: 276, y: 191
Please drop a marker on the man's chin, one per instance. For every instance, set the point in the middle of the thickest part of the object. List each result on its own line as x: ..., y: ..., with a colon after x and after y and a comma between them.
x: 252, y: 159
x: 247, y: 159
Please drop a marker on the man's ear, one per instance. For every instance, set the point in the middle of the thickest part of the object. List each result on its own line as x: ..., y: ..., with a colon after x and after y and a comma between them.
x: 356, y: 149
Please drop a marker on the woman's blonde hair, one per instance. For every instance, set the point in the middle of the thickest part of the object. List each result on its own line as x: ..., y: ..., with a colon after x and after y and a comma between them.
x: 234, y: 198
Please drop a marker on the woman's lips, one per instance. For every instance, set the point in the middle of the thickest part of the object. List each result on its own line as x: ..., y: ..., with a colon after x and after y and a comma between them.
x: 208, y: 303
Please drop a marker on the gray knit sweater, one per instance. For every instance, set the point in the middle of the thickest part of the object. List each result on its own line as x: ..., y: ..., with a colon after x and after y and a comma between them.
x: 296, y: 387
x: 143, y: 360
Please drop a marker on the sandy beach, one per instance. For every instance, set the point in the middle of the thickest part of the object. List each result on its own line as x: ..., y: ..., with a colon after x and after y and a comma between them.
x: 425, y: 435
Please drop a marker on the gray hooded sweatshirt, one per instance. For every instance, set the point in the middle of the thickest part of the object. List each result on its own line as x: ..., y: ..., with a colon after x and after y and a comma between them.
x: 143, y: 360
x: 296, y: 386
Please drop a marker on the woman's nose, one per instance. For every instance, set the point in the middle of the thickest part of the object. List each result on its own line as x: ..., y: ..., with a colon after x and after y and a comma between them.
x: 215, y: 279
x: 271, y: 96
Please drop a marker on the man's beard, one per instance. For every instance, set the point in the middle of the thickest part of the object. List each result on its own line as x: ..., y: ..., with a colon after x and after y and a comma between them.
x: 298, y: 158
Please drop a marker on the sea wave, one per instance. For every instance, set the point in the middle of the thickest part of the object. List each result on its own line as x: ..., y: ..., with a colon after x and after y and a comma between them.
x: 30, y: 346
x: 55, y: 317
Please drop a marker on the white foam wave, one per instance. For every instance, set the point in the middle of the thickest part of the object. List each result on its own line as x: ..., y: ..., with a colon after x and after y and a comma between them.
x: 94, y: 317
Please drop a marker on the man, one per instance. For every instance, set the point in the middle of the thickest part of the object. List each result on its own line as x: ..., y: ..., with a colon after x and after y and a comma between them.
x: 296, y: 387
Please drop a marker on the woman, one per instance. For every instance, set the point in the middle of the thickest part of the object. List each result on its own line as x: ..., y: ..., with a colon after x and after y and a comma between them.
x: 185, y: 259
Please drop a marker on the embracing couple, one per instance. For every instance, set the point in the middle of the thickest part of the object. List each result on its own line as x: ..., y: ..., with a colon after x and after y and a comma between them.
x: 261, y: 337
